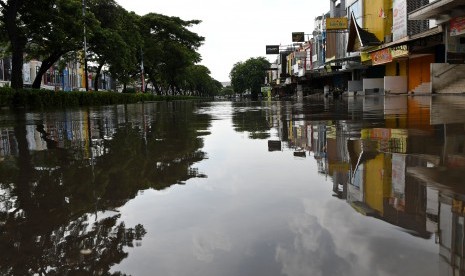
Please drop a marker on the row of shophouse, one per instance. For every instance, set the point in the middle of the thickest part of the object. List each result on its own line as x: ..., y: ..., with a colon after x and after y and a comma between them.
x: 406, y: 171
x: 67, y: 77
x: 376, y: 46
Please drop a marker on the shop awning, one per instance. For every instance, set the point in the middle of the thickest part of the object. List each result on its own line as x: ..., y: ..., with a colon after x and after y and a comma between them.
x: 365, y: 37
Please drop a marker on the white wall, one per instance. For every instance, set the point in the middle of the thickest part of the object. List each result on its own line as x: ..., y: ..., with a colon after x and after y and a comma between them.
x: 395, y: 84
x: 370, y: 84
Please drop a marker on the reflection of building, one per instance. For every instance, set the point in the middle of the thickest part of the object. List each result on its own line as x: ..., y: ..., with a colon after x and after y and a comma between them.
x: 319, y: 145
x: 451, y: 235
x: 69, y: 129
x: 407, y: 170
x: 378, y: 185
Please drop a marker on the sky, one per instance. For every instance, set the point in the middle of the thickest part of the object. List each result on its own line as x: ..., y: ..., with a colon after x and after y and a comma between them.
x: 235, y: 31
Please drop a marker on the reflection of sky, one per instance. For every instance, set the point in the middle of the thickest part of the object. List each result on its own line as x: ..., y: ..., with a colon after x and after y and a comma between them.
x: 263, y: 213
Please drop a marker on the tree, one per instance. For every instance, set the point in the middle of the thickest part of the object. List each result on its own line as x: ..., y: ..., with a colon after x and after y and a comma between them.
x: 197, y: 81
x: 169, y: 49
x: 13, y: 12
x: 55, y: 32
x: 123, y: 64
x: 116, y: 41
x: 249, y: 75
x: 227, y: 91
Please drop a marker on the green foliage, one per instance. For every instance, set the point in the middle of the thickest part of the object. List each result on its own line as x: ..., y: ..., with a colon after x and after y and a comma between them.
x: 249, y: 75
x: 199, y: 82
x: 115, y: 40
x: 227, y: 91
x: 170, y: 48
x: 120, y: 41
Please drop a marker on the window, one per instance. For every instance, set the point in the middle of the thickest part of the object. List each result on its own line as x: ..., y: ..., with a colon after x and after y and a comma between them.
x: 357, y: 10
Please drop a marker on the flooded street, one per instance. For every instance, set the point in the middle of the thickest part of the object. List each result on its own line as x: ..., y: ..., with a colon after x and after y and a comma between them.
x: 354, y: 186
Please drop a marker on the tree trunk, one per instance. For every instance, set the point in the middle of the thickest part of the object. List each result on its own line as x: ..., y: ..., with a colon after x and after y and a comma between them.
x: 157, y: 88
x: 17, y: 67
x: 97, y: 76
x: 46, y: 64
x: 17, y: 39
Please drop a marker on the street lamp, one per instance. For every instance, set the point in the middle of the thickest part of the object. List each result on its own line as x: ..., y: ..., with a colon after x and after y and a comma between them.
x: 85, y: 44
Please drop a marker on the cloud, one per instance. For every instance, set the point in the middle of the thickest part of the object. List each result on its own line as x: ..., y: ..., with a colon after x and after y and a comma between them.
x: 206, y: 244
x: 313, y: 251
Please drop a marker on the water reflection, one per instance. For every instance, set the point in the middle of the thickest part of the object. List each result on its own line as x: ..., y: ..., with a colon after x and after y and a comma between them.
x: 354, y: 186
x: 400, y: 160
x: 64, y: 175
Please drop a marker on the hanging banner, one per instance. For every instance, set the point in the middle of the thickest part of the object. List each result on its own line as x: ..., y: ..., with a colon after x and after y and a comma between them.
x: 399, y: 19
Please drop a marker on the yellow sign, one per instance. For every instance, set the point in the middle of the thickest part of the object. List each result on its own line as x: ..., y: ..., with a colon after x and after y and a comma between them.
x: 340, y: 23
x: 364, y: 56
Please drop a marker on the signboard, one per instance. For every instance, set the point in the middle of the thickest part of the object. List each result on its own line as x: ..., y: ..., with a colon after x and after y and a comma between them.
x: 272, y: 49
x: 298, y: 37
x: 364, y: 56
x: 340, y: 23
x: 457, y: 26
x: 399, y: 51
x: 399, y: 19
x: 381, y: 57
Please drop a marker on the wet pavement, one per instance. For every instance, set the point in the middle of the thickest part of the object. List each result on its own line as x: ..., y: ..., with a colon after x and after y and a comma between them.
x: 352, y: 186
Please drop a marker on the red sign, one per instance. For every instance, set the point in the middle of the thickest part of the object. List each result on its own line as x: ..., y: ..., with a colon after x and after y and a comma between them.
x: 457, y: 26
x: 381, y: 57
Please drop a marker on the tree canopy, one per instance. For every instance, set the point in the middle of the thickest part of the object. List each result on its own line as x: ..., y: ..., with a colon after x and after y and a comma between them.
x: 249, y: 75
x: 161, y: 49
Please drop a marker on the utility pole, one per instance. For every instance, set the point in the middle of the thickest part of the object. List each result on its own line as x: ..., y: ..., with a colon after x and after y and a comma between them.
x: 142, y: 70
x: 85, y: 45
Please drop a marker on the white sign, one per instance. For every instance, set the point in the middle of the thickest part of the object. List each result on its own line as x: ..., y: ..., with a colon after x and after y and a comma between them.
x: 399, y: 19
x: 399, y: 165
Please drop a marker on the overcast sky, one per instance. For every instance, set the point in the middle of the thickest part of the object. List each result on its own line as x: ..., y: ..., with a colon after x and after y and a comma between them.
x: 237, y: 30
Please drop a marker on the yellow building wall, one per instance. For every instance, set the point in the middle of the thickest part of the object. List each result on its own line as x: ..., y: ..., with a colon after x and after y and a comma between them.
x: 378, y: 17
x: 391, y: 68
x: 377, y: 182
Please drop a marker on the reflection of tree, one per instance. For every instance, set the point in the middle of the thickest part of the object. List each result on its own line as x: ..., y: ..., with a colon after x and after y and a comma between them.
x: 251, y: 120
x: 31, y: 247
x: 165, y: 158
x: 46, y: 197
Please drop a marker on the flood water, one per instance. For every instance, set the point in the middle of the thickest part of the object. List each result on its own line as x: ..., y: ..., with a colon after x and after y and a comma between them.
x: 352, y: 186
